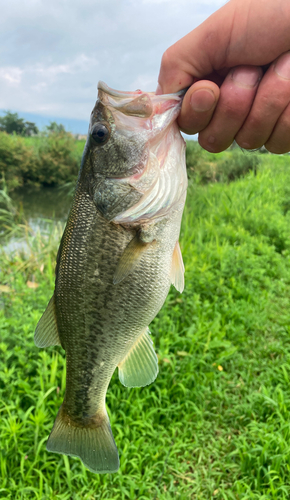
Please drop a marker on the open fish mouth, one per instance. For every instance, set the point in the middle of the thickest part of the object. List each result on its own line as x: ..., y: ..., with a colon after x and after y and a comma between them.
x: 138, y: 103
x: 121, y: 94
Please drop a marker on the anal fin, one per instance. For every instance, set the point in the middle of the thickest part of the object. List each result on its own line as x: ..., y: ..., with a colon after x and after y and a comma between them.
x: 130, y: 259
x: 46, y: 332
x: 177, y: 269
x: 140, y: 366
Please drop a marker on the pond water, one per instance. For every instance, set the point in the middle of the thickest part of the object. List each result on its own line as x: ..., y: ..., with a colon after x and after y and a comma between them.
x: 40, y: 207
x: 43, y: 203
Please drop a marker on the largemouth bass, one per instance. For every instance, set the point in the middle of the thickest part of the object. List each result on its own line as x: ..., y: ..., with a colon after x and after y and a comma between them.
x: 118, y: 256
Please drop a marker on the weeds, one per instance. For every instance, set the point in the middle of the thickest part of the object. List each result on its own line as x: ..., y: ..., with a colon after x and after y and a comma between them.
x: 204, y: 167
x: 11, y: 217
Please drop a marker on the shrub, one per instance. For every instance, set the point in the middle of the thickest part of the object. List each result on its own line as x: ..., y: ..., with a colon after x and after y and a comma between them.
x: 204, y: 167
x: 51, y: 159
x: 236, y: 165
x: 17, y: 159
x: 58, y: 160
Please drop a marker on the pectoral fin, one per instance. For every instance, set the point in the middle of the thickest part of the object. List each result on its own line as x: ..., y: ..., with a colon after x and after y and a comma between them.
x: 177, y: 269
x: 46, y: 333
x: 130, y: 259
x: 140, y: 366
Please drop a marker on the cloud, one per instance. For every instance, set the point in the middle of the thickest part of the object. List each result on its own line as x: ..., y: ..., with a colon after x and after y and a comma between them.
x: 12, y: 75
x: 53, y: 53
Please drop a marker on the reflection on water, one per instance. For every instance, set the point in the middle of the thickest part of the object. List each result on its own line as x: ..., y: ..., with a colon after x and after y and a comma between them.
x: 40, y: 207
x: 43, y: 203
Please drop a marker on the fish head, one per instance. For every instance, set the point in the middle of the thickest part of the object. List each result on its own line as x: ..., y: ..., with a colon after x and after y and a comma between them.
x: 117, y: 139
x: 131, y: 137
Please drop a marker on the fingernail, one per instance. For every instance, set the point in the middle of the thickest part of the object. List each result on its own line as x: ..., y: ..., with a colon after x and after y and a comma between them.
x: 202, y: 100
x: 282, y: 66
x: 158, y: 90
x: 246, y: 76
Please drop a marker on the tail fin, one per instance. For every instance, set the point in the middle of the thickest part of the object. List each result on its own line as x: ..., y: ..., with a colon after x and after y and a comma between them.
x: 94, y: 444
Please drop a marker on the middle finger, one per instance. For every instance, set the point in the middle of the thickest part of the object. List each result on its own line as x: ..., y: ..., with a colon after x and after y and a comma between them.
x: 237, y: 94
x: 272, y: 99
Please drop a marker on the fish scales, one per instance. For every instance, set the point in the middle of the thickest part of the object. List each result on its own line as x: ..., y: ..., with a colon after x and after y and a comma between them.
x: 118, y: 256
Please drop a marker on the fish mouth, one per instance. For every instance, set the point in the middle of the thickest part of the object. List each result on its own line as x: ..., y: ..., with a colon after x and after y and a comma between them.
x: 121, y: 94
x: 138, y: 103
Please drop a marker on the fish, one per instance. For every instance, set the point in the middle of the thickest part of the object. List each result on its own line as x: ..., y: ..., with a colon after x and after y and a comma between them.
x: 118, y: 256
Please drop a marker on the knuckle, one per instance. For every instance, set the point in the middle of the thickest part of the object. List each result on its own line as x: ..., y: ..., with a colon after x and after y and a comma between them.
x: 278, y: 145
x: 284, y: 120
x: 274, y: 103
x: 216, y: 147
x: 231, y: 111
x: 271, y: 149
x: 235, y: 106
x: 276, y: 149
x: 246, y: 141
x: 253, y: 127
x: 190, y: 128
x: 167, y: 60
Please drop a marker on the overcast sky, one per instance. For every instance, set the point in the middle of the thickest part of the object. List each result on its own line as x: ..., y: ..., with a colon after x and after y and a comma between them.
x: 52, y: 53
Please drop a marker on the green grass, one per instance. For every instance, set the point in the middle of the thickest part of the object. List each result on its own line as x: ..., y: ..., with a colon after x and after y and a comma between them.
x: 215, y: 423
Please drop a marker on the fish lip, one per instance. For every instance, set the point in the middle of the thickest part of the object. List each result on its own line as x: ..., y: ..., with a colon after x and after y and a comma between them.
x: 120, y: 93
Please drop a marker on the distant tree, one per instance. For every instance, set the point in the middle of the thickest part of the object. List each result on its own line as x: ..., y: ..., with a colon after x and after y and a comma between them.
x: 56, y: 128
x: 30, y: 129
x: 12, y: 123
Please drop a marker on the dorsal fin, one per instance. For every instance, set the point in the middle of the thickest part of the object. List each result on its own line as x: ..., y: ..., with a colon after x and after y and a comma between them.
x: 177, y: 269
x: 46, y: 333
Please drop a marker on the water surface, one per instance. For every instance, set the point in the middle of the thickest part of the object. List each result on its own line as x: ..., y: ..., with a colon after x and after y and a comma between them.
x: 40, y: 207
x: 43, y: 203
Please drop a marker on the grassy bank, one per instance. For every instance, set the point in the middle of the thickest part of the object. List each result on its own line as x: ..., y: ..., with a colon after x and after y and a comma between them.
x: 215, y: 424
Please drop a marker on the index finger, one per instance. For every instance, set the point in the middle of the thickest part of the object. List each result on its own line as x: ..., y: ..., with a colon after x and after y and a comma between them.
x: 173, y: 76
x: 194, y: 56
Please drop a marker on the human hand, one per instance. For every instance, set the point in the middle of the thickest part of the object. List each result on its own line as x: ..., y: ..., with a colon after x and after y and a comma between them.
x: 237, y: 67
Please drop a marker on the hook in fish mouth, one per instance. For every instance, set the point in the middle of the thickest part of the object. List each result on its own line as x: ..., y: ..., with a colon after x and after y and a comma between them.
x: 119, y: 93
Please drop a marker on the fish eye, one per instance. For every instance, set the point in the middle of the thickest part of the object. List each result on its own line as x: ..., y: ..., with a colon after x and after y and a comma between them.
x: 100, y: 133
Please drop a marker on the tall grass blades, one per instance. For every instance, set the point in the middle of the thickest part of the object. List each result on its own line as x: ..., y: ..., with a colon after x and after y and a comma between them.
x: 11, y: 217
